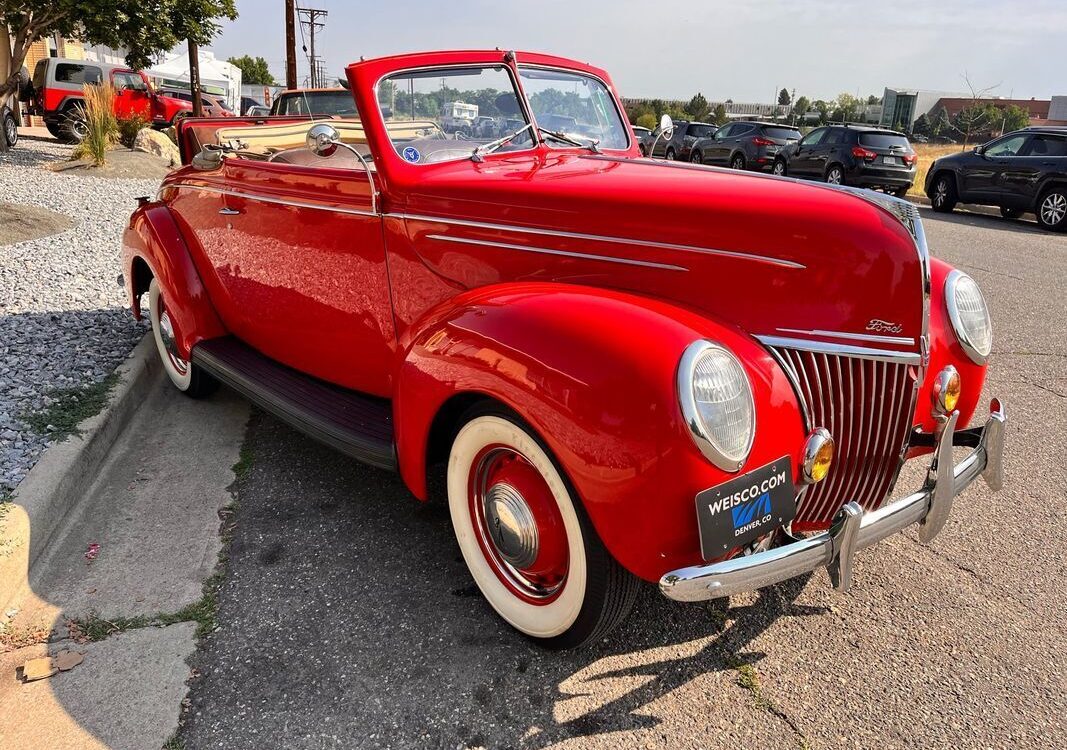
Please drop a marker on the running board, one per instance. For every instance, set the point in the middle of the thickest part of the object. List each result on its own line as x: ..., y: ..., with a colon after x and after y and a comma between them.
x: 355, y: 424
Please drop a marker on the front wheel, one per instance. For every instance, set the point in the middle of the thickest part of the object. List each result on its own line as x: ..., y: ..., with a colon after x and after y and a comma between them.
x: 526, y: 539
x: 779, y: 168
x: 943, y: 199
x: 696, y: 157
x: 11, y: 127
x: 1052, y: 209
x: 670, y: 154
x: 186, y: 377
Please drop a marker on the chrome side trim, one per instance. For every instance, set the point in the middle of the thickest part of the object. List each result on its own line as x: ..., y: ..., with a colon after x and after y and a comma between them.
x: 269, y: 199
x: 863, y: 352
x: 549, y: 251
x: 905, y: 340
x: 597, y: 238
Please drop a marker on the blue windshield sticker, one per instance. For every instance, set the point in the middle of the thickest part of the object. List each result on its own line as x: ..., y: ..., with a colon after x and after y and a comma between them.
x: 411, y: 154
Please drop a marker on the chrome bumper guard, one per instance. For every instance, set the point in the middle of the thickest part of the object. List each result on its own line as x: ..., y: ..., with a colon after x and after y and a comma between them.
x: 852, y: 529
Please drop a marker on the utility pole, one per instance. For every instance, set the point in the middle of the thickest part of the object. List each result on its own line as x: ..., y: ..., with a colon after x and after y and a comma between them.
x: 194, y: 78
x: 308, y: 18
x: 290, y: 44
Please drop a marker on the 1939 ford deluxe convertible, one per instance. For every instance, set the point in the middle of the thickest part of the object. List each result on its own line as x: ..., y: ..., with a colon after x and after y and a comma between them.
x: 632, y: 369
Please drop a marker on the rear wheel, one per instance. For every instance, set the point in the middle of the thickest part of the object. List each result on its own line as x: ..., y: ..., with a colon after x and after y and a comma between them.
x: 943, y: 198
x: 779, y: 167
x: 186, y: 377
x: 737, y: 162
x: 11, y: 127
x: 902, y: 192
x: 525, y: 537
x: 1052, y: 209
x: 54, y: 130
x: 1010, y: 213
x: 670, y: 154
x: 73, y: 128
x: 835, y: 175
x: 696, y: 157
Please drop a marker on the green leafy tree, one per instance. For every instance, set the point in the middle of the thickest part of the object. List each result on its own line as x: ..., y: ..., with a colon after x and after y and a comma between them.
x: 783, y: 98
x: 823, y: 108
x: 801, y: 107
x: 1013, y: 117
x: 697, y: 108
x: 846, y: 108
x: 145, y: 29
x: 647, y: 120
x: 719, y: 115
x: 872, y: 99
x: 253, y: 70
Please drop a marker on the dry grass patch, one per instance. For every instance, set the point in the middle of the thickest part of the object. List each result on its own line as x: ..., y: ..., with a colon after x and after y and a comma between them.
x: 928, y: 153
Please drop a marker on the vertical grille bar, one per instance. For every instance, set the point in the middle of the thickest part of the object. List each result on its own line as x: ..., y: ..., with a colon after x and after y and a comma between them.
x: 865, y: 404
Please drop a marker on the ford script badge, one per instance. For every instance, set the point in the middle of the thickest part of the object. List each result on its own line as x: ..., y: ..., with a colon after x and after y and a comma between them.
x: 884, y: 326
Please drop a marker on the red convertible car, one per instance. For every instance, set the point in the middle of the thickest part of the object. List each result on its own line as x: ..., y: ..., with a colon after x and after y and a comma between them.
x: 627, y: 369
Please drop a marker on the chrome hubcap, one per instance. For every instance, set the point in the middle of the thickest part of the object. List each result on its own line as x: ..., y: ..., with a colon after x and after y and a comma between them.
x: 940, y: 192
x: 166, y: 334
x: 511, y: 523
x: 1053, y: 208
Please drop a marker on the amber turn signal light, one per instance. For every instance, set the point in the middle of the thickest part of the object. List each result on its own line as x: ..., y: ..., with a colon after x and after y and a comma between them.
x: 946, y: 391
x: 818, y: 455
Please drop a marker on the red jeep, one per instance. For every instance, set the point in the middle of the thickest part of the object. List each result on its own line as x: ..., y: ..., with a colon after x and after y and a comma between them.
x: 626, y: 369
x: 56, y: 95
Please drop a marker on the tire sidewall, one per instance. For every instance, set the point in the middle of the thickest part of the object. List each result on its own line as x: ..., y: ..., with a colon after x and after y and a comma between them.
x: 775, y: 170
x: 1062, y: 224
x: 841, y: 172
x: 737, y: 162
x: 540, y: 621
x: 181, y: 381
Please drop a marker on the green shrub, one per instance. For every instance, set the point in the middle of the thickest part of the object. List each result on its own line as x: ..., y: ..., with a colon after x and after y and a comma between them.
x: 130, y: 126
x: 102, y: 130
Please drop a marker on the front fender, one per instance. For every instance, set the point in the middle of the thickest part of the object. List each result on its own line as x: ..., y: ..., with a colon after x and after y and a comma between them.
x: 154, y: 240
x: 594, y: 373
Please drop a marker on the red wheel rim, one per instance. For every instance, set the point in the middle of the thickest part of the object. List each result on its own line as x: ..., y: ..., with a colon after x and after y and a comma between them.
x: 518, y: 525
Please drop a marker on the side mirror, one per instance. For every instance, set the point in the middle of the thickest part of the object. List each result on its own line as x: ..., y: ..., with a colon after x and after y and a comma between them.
x: 666, y: 127
x: 322, y: 139
x: 979, y: 150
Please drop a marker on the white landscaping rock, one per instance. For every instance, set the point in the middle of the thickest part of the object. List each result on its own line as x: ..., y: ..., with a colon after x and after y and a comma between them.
x: 63, y: 316
x: 155, y: 142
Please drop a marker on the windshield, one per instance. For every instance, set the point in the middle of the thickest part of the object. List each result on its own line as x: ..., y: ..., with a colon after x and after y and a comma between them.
x: 574, y: 105
x: 338, y: 102
x: 445, y: 113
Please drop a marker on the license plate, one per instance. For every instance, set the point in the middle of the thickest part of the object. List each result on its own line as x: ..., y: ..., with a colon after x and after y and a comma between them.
x: 743, y: 509
x: 896, y: 161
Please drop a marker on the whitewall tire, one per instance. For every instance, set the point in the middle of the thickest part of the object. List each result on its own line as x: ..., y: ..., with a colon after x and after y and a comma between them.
x: 186, y: 377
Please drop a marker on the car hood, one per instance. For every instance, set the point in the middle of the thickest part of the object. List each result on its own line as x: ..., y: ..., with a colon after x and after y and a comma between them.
x: 773, y: 256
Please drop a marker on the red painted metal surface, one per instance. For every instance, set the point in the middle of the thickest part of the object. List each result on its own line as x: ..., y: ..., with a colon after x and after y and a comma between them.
x: 564, y: 285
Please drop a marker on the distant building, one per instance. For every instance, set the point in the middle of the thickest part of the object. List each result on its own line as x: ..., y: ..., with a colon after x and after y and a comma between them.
x: 902, y: 107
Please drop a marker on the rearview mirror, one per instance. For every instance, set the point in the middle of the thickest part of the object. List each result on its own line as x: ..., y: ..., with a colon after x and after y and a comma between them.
x: 322, y: 139
x: 666, y: 127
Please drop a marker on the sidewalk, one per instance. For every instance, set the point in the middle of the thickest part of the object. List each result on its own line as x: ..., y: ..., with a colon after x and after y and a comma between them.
x: 128, y: 565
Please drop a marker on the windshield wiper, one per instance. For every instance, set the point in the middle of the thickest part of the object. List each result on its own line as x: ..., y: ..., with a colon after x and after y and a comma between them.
x: 593, y: 144
x: 488, y: 148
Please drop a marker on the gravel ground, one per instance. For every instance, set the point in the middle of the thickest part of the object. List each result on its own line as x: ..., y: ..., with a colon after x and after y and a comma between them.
x: 63, y: 317
x: 348, y: 618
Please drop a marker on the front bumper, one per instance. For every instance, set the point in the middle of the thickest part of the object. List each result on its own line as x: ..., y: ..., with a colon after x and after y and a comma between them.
x: 853, y: 529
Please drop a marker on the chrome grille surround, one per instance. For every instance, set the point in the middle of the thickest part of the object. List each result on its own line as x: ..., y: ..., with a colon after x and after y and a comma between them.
x: 865, y: 398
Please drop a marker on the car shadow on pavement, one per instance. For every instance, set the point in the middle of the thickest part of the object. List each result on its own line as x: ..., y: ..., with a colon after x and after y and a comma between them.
x: 347, y: 609
x: 1025, y: 225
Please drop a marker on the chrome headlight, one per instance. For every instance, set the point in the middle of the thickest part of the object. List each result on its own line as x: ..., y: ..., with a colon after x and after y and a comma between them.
x: 969, y: 315
x: 716, y: 401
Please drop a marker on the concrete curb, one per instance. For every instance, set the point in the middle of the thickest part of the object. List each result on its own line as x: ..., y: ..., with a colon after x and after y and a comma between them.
x: 66, y: 471
x: 922, y: 200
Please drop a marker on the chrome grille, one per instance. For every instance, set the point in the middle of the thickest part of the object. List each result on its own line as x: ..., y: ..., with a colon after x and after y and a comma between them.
x: 866, y: 404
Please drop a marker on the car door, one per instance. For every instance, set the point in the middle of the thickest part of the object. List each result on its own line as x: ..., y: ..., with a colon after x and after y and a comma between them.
x: 131, y: 94
x: 986, y: 181
x: 301, y: 271
x: 1038, y: 158
x: 802, y: 161
x: 716, y: 151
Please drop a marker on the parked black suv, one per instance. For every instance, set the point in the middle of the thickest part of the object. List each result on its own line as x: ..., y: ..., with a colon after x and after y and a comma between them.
x: 1021, y: 171
x: 857, y: 155
x: 744, y: 145
x: 681, y: 145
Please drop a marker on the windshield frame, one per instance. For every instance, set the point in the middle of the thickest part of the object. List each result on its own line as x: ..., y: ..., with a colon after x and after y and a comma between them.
x: 520, y: 95
x: 623, y: 120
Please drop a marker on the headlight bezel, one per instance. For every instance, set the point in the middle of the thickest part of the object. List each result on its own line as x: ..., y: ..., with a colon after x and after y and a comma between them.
x: 698, y: 431
x: 963, y: 336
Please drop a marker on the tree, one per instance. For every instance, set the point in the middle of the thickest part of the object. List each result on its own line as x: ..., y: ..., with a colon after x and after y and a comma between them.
x: 253, y: 70
x: 145, y: 29
x: 845, y: 108
x: 921, y: 126
x: 784, y: 98
x: 872, y: 99
x: 719, y: 115
x: 801, y: 107
x: 697, y: 108
x: 647, y: 120
x: 1013, y: 117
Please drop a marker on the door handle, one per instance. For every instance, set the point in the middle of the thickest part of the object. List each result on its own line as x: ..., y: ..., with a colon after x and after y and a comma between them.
x: 229, y: 212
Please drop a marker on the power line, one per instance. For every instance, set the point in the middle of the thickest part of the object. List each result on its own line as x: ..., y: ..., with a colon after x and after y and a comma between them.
x: 309, y: 17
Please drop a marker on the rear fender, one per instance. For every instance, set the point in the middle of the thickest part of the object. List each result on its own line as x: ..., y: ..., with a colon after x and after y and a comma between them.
x: 593, y: 372
x: 153, y: 247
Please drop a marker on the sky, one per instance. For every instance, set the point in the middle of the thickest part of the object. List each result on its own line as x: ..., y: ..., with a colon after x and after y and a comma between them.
x: 741, y: 50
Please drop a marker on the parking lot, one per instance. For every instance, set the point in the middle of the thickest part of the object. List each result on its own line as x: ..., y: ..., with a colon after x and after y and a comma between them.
x: 348, y: 618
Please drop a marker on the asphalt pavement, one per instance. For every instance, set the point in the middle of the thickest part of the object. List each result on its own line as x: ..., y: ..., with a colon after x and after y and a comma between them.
x: 348, y: 619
